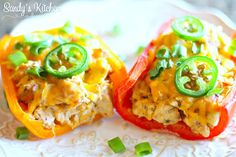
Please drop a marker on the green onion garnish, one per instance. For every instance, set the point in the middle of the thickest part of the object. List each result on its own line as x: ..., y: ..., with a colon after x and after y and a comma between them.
x: 17, y: 58
x: 163, y: 53
x: 179, y: 51
x: 232, y: 51
x: 232, y: 47
x: 170, y: 63
x: 60, y: 40
x: 22, y: 133
x: 36, y: 50
x: 18, y: 46
x: 38, y: 39
x: 143, y: 149
x: 116, y: 30
x: 139, y: 50
x: 84, y: 38
x: 233, y: 43
x: 37, y: 71
x: 197, y: 49
x: 38, y: 42
x: 116, y: 145
x: 67, y: 28
x: 158, y: 68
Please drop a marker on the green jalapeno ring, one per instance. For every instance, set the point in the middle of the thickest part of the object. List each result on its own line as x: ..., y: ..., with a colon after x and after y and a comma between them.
x: 188, y: 28
x: 204, y: 86
x: 78, y: 66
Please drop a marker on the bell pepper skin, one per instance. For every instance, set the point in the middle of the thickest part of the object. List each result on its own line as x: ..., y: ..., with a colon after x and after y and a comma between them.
x: 18, y: 110
x: 123, y: 104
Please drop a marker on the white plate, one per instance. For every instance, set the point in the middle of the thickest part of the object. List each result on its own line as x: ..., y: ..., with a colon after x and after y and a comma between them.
x: 138, y: 20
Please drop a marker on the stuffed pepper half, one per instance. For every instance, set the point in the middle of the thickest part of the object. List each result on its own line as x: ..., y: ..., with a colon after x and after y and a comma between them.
x: 58, y: 79
x: 184, y: 81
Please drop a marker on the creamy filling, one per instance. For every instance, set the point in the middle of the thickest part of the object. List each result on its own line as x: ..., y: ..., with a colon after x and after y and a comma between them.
x: 72, y: 101
x: 200, y: 116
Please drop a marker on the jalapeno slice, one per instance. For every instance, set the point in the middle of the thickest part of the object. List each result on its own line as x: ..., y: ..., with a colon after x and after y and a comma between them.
x: 66, y: 60
x: 196, y: 76
x: 188, y: 28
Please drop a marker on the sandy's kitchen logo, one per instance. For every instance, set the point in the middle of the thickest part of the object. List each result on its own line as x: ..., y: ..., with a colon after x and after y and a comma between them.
x: 28, y: 9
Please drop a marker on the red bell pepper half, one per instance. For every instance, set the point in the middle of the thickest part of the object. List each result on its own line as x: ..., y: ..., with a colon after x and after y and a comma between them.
x: 123, y: 104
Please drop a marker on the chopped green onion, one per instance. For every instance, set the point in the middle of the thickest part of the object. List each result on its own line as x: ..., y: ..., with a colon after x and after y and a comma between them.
x: 158, y: 68
x: 22, y: 133
x: 84, y: 38
x: 61, y: 40
x: 143, y: 149
x: 115, y: 31
x: 18, y: 46
x: 215, y: 91
x: 67, y: 28
x: 38, y: 39
x: 232, y: 50
x: 37, y: 71
x: 38, y: 42
x: 17, y: 58
x: 179, y: 51
x: 116, y: 145
x: 196, y: 49
x: 139, y: 50
x: 232, y: 47
x: 163, y: 53
x: 36, y: 50
x: 233, y: 43
x: 170, y: 63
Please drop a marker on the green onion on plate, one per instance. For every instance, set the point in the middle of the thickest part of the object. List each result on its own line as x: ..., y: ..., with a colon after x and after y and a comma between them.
x: 22, y: 133
x: 143, y: 149
x: 116, y: 145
